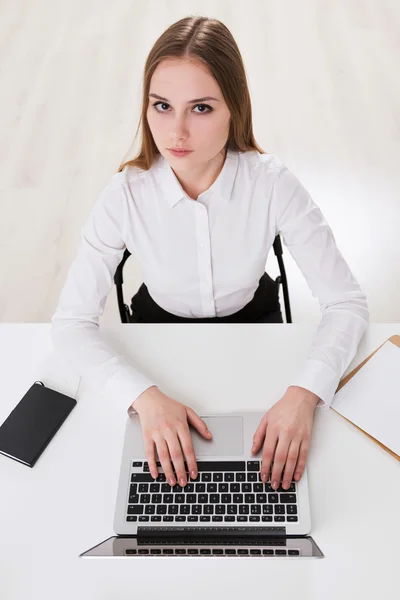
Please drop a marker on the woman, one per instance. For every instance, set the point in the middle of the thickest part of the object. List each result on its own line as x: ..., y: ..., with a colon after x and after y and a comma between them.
x: 201, y: 225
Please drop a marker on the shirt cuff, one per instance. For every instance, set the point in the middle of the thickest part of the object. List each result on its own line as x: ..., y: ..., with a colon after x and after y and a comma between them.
x: 125, y: 385
x: 319, y: 378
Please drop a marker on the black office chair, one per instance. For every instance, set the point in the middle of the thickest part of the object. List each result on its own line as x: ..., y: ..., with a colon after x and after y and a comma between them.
x: 126, y: 316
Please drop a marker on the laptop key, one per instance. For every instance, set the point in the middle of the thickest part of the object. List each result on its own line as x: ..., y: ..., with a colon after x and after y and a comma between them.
x: 261, y: 498
x: 180, y: 518
x: 242, y: 518
x: 144, y: 498
x: 220, y: 509
x: 205, y: 518
x: 254, y: 518
x: 192, y: 518
x: 161, y: 509
x: 191, y: 498
x: 202, y: 498
x: 217, y: 518
x: 214, y: 498
x: 279, y: 509
x: 258, y: 487
x: 237, y: 498
x: 168, y: 518
x: 208, y: 509
x: 137, y: 464
x: 288, y: 498
x: 156, y: 498
x: 168, y: 498
x: 291, y: 509
x: 267, y: 509
x: 143, y: 488
x: 255, y: 509
x: 221, y: 465
x: 173, y: 509
x: 155, y: 518
x: 246, y: 487
x: 134, y: 499
x: 144, y: 518
x: 135, y: 509
x: 253, y: 465
x: 184, y: 509
x: 235, y: 487
x: 232, y: 509
x: 279, y: 518
x: 229, y: 477
x: 267, y: 518
x: 223, y: 487
x: 251, y: 476
x: 137, y: 477
x: 154, y: 488
x: 244, y: 509
x: 149, y: 509
x: 196, y: 509
x: 206, y: 476
x: 229, y: 518
x: 200, y: 487
x: 240, y: 476
x: 292, y: 518
x: 217, y: 476
x: 272, y: 497
x: 131, y: 518
x: 249, y: 498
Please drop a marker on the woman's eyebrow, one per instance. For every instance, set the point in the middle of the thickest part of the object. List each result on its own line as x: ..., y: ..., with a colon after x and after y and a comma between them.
x: 188, y: 102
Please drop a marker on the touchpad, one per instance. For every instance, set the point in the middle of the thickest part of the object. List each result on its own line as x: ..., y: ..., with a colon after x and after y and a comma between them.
x: 227, y: 439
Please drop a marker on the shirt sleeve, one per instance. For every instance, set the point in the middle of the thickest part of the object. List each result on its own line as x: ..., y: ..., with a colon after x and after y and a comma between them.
x: 344, y: 309
x: 75, y: 331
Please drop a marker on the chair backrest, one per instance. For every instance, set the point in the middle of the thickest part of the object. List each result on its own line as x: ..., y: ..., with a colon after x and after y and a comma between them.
x: 124, y: 310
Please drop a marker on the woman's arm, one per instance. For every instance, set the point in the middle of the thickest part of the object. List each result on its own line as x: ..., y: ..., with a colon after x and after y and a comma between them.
x: 344, y: 308
x: 75, y: 325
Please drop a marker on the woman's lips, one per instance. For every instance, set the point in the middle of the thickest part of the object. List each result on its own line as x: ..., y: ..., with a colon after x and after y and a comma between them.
x: 180, y: 153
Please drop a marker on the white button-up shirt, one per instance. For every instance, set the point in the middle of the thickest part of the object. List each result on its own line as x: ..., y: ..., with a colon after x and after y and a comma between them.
x: 204, y: 258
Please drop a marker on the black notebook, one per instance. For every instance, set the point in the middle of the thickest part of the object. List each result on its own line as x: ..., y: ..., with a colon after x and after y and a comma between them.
x: 33, y: 423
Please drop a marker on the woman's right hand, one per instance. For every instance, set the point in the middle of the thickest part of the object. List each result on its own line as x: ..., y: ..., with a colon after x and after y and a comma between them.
x: 164, y: 423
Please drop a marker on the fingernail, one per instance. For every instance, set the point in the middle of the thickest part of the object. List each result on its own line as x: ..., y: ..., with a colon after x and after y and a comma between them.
x: 264, y: 477
x: 182, y: 481
x: 193, y: 474
x: 275, y: 484
x: 171, y: 481
x: 209, y: 433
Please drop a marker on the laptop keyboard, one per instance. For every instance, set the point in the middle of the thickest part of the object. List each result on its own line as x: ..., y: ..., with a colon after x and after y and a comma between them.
x: 223, y: 491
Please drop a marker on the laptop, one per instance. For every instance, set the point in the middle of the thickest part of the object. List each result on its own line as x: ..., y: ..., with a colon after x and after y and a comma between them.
x: 227, y: 511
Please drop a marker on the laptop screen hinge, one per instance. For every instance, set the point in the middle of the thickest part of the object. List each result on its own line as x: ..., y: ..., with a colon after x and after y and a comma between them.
x: 209, y: 532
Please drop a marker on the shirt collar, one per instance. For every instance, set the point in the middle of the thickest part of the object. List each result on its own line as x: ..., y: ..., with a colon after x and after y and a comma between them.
x: 222, y: 186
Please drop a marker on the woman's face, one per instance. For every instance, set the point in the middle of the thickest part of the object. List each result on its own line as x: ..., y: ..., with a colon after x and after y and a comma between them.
x: 177, y: 121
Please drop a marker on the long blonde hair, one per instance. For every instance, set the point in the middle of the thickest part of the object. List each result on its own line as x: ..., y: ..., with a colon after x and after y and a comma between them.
x: 210, y: 42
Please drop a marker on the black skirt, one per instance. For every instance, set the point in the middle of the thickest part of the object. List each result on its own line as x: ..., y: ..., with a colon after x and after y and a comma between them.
x: 264, y: 307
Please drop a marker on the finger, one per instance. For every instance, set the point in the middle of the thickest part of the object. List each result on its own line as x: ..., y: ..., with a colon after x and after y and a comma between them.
x: 301, y: 461
x: 271, y: 439
x: 150, y: 455
x: 198, y: 423
x: 163, y: 455
x: 291, y: 463
x: 259, y: 435
x: 280, y: 457
x: 188, y: 450
x: 175, y: 452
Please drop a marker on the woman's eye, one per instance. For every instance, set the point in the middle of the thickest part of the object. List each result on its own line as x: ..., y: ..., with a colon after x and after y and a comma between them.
x: 202, y: 112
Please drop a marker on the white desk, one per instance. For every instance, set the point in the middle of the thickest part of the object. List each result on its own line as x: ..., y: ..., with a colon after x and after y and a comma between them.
x: 65, y: 504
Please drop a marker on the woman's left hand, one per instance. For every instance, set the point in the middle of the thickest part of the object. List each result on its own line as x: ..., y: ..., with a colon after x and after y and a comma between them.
x: 287, y: 427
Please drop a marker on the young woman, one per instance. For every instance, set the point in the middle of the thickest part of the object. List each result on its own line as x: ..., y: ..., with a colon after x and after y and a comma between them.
x: 199, y: 207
